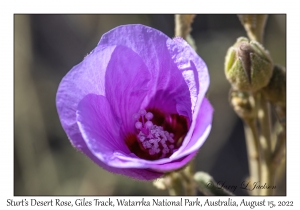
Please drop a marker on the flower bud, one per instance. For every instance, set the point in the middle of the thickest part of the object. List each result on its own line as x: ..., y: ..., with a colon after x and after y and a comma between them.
x: 275, y: 91
x: 248, y: 66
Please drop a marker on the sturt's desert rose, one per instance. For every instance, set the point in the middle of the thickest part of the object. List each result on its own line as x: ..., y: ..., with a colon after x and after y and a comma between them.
x: 136, y: 104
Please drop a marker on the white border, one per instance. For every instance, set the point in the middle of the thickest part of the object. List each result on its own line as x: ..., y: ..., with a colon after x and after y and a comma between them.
x: 157, y: 6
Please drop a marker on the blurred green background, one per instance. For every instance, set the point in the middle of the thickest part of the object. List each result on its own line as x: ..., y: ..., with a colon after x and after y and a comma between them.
x: 46, y: 47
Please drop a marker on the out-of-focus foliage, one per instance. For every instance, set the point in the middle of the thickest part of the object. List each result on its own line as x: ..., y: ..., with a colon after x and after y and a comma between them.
x: 48, y: 46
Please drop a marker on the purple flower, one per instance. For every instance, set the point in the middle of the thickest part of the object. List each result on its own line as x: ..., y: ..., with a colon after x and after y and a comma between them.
x: 135, y: 105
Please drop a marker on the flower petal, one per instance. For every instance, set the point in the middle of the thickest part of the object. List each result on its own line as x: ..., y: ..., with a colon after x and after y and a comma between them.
x: 202, y: 128
x: 88, y: 77
x: 195, y: 73
x: 201, y: 131
x: 100, y: 130
x: 174, y: 165
x: 193, y: 68
x: 127, y: 80
x: 99, y: 126
x: 151, y: 45
x: 136, y: 173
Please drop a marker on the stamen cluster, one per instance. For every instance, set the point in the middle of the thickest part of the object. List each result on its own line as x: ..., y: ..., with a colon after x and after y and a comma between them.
x: 153, y: 138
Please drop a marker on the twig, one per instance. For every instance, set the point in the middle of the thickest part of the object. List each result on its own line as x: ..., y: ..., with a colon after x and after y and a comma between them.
x: 267, y: 168
x: 252, y: 143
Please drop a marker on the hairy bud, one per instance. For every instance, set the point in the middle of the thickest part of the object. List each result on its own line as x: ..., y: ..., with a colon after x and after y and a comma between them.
x: 248, y: 66
x: 275, y: 91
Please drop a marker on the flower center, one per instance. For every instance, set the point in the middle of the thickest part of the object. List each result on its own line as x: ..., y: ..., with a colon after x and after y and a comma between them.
x: 157, y: 135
